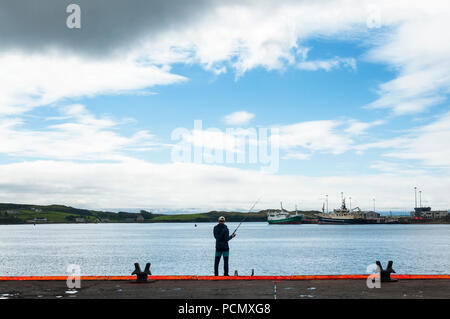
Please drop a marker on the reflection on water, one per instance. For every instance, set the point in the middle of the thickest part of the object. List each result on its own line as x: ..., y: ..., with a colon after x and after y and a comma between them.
x: 182, y: 249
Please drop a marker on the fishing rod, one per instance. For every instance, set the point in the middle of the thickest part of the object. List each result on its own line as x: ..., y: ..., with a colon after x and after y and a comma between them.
x: 245, y: 216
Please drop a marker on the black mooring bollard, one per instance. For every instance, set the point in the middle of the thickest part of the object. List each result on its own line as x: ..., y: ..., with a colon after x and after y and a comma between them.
x: 253, y: 273
x: 236, y: 273
x: 385, y: 274
x: 142, y: 276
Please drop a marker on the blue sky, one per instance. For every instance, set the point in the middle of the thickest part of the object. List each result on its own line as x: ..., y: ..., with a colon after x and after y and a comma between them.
x: 357, y: 94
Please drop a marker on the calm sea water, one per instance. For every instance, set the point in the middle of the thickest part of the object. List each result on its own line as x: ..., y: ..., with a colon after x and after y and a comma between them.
x: 182, y: 249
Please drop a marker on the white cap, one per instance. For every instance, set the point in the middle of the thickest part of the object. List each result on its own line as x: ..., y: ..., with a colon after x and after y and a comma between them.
x: 221, y: 219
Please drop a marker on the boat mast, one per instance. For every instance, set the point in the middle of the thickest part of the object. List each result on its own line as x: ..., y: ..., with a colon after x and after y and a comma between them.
x: 343, y: 202
x: 415, y: 197
x: 420, y: 199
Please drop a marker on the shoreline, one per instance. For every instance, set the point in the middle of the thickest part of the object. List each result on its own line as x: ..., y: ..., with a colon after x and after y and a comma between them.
x: 22, y: 214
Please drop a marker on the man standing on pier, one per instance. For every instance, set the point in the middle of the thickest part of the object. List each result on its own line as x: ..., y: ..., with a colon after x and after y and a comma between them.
x: 222, y: 236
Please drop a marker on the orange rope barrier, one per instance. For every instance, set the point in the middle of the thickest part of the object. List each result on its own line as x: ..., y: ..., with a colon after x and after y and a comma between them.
x: 206, y: 278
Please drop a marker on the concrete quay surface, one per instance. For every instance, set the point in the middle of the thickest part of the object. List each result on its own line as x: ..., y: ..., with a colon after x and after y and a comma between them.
x: 236, y: 289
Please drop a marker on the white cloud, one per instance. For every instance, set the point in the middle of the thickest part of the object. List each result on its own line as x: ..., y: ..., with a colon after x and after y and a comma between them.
x: 212, y: 139
x: 315, y: 136
x: 35, y: 80
x: 81, y: 137
x: 301, y: 140
x: 416, y: 49
x: 327, y: 65
x: 139, y: 184
x: 297, y: 156
x: 394, y: 142
x: 359, y: 128
x: 397, y: 168
x: 239, y: 118
x: 254, y: 34
x: 249, y: 35
x: 407, y: 38
x: 429, y: 144
x: 298, y: 140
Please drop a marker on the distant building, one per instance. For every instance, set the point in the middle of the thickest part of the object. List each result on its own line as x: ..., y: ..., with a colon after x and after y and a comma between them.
x: 80, y: 220
x: 37, y: 210
x: 427, y: 213
x: 371, y: 215
x: 436, y: 214
x: 12, y: 212
x: 140, y: 219
x: 441, y: 214
x: 420, y: 211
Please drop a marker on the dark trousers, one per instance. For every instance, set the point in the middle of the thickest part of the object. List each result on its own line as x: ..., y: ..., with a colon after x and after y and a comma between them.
x: 217, y: 261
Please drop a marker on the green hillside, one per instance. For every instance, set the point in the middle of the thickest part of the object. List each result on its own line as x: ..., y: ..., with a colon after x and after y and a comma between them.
x: 23, y: 214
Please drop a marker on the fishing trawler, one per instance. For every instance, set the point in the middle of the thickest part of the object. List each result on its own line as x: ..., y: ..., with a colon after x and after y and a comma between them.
x: 343, y: 215
x: 284, y: 217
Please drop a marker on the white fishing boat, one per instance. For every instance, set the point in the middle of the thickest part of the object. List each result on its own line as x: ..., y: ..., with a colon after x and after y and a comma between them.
x: 284, y: 217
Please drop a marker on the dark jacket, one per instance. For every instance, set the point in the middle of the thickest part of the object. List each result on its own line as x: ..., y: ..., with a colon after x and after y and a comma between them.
x: 222, y: 236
